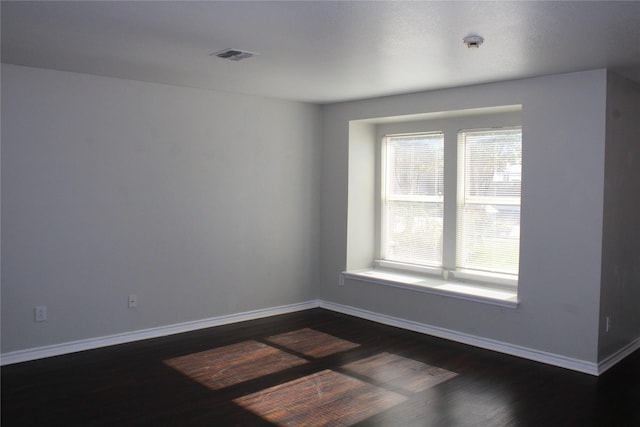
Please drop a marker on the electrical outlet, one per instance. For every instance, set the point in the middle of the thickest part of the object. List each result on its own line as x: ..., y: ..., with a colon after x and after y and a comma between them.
x: 608, y: 325
x: 41, y: 313
x: 341, y: 280
x: 133, y: 301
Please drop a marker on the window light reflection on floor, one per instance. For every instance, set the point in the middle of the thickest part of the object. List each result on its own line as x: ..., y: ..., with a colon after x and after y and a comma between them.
x: 233, y: 364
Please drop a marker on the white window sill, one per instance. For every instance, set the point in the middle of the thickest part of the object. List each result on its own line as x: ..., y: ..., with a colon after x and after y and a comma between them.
x: 485, y: 293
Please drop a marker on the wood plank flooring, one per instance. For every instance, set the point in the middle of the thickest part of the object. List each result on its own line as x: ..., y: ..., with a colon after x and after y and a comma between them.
x: 312, y: 368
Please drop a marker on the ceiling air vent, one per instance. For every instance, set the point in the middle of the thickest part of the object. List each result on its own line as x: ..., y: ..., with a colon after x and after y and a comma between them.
x: 233, y: 54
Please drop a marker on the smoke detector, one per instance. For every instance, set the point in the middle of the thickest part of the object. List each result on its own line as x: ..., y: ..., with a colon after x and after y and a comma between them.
x: 473, y: 41
x: 233, y: 54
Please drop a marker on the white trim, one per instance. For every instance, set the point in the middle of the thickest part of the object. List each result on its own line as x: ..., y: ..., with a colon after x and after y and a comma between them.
x: 488, y: 344
x: 486, y: 277
x: 503, y: 297
x: 616, y: 357
x: 161, y: 331
x: 403, y: 266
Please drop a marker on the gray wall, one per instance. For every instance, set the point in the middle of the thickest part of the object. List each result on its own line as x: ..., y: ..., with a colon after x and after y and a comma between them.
x: 201, y: 203
x: 620, y: 294
x: 207, y: 203
x: 563, y: 119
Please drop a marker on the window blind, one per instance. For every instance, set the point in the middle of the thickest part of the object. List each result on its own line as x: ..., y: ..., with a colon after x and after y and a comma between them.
x: 488, y: 214
x: 412, y: 199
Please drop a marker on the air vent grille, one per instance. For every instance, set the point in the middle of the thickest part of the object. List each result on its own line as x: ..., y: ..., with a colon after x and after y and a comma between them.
x: 233, y: 54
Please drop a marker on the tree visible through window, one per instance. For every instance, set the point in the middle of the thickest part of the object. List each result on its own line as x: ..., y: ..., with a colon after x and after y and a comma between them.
x: 412, y: 230
x: 489, y: 171
x: 487, y: 213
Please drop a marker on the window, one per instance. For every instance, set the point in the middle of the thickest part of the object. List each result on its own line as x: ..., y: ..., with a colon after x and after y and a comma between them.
x: 488, y: 212
x: 412, y: 201
x: 484, y: 242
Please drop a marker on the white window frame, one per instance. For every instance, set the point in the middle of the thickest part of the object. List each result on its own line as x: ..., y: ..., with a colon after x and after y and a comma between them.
x: 476, y: 274
x: 363, y: 244
x: 448, y: 271
x: 383, y: 260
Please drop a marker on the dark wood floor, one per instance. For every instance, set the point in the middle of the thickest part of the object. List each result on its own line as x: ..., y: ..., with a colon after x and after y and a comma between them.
x: 311, y: 368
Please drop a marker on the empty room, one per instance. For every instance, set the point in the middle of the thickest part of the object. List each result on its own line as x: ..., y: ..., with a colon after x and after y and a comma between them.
x: 310, y: 213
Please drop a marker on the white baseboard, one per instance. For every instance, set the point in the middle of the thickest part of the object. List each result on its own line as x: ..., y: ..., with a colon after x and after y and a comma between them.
x: 616, y: 357
x: 488, y: 344
x: 93, y: 343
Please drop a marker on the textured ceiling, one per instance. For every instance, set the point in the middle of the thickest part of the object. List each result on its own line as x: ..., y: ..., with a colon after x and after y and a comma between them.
x: 322, y: 51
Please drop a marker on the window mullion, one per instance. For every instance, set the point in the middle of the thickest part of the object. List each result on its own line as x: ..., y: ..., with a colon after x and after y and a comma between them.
x: 450, y: 199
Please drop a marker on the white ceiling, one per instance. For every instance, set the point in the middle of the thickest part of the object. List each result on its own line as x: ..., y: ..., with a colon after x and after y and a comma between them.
x: 322, y: 51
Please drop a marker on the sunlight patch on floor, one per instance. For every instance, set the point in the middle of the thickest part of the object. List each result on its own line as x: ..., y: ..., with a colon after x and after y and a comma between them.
x: 312, y: 343
x: 233, y: 364
x: 320, y: 399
